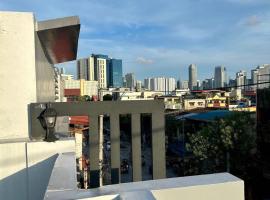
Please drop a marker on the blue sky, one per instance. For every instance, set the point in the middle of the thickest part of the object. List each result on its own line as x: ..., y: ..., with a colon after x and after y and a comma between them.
x: 162, y: 37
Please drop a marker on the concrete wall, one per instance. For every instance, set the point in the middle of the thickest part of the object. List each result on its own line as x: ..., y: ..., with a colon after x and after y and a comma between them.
x: 17, y: 72
x: 25, y: 74
x: 26, y: 167
x: 220, y: 191
x: 45, y: 84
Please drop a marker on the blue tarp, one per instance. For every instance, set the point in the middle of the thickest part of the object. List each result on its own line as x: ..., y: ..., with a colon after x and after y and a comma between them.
x: 206, y: 116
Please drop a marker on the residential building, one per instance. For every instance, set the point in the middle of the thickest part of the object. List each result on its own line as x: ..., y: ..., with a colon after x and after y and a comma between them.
x: 220, y: 77
x: 130, y: 81
x: 262, y: 73
x: 89, y: 88
x: 191, y: 104
x: 241, y: 79
x: 100, y: 70
x: 180, y: 92
x: 138, y: 86
x: 162, y: 84
x: 114, y: 73
x: 192, y: 72
x: 82, y: 68
x: 85, y: 68
x: 216, y: 100
x: 147, y: 83
x: 171, y: 102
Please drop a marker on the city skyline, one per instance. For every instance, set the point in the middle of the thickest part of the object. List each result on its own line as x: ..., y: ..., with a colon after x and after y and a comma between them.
x: 165, y: 42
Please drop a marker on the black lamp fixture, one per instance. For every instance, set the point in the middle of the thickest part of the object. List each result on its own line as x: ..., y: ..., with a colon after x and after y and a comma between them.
x: 48, y: 120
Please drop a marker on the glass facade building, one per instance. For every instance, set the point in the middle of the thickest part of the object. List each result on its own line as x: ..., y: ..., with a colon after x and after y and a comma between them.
x: 115, y: 73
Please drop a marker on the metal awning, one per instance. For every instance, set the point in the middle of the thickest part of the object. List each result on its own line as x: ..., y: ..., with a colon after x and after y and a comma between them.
x: 59, y: 38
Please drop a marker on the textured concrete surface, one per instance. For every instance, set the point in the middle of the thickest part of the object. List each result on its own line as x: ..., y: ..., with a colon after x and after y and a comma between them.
x: 211, y: 187
x: 26, y: 168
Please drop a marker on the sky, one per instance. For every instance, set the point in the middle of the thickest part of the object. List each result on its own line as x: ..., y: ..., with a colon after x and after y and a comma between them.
x: 162, y: 37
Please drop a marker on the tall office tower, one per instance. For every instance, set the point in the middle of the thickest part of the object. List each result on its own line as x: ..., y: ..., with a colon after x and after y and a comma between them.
x: 130, y: 80
x: 91, y: 68
x: 241, y: 79
x: 170, y: 85
x: 184, y: 84
x: 192, y: 72
x: 209, y: 83
x: 114, y: 73
x: 82, y: 68
x: 100, y: 70
x: 232, y: 82
x: 138, y: 86
x: 220, y: 77
x: 254, y: 74
x: 147, y: 83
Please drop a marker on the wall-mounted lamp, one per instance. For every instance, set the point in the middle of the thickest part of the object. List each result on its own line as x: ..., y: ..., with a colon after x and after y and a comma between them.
x: 48, y: 120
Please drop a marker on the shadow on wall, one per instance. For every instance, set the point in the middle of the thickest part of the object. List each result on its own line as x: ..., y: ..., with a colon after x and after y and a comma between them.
x: 30, y: 183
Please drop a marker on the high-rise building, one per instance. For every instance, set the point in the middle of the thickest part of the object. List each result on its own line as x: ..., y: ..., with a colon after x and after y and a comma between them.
x: 198, y: 85
x: 208, y: 84
x: 241, y: 79
x: 220, y: 77
x: 91, y: 68
x: 192, y: 72
x: 184, y: 84
x: 107, y: 71
x: 82, y: 68
x: 85, y: 68
x: 147, y: 83
x: 114, y: 73
x: 130, y: 80
x: 232, y: 82
x: 162, y: 84
x: 263, y: 76
x: 138, y: 86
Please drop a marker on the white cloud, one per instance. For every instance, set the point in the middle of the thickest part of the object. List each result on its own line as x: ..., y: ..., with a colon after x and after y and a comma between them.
x: 143, y: 60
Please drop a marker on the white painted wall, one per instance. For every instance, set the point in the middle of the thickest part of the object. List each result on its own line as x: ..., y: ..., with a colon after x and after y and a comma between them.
x: 26, y: 167
x: 25, y: 73
x: 220, y: 191
x: 17, y: 73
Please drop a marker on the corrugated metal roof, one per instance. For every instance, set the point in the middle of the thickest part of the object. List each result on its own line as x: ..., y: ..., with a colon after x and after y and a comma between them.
x: 206, y: 116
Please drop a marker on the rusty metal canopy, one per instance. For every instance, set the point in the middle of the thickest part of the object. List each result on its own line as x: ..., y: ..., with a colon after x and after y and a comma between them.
x: 59, y: 38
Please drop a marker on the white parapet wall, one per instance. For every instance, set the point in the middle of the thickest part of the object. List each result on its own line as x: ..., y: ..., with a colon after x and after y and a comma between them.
x: 221, y: 186
x: 25, y: 167
x: 26, y: 76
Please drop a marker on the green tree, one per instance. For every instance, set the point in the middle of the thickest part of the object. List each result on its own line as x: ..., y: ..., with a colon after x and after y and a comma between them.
x: 84, y: 98
x: 225, y: 145
x: 107, y: 97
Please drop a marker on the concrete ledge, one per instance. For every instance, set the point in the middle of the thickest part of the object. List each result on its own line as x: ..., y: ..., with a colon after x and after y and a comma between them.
x: 211, y: 187
x: 26, y: 167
